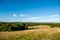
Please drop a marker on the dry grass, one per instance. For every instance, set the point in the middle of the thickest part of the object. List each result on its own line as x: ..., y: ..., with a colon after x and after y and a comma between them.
x: 39, y: 32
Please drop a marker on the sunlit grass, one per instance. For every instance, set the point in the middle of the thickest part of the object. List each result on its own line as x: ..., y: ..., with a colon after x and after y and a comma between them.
x: 43, y: 33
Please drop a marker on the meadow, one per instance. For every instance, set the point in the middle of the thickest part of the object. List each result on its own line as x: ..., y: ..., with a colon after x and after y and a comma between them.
x: 29, y: 31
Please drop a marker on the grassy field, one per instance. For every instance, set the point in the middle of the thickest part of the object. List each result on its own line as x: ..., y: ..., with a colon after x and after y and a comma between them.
x: 41, y: 32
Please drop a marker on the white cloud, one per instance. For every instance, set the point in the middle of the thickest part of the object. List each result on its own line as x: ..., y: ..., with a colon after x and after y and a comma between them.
x: 55, y: 15
x: 14, y: 15
x: 23, y: 15
x: 53, y: 18
x: 31, y: 19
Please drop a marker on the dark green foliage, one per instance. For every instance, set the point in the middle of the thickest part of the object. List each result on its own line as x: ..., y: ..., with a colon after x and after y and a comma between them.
x: 14, y: 26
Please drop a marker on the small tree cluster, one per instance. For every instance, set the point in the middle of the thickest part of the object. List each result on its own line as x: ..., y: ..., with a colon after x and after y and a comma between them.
x: 12, y: 27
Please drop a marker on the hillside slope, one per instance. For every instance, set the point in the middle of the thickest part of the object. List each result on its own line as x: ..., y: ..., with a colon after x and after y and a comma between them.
x: 41, y: 32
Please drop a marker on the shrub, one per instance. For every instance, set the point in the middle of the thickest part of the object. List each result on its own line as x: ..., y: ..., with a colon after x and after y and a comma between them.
x: 12, y: 27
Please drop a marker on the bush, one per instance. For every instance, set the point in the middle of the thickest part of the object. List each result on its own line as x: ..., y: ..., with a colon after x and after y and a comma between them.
x: 12, y: 27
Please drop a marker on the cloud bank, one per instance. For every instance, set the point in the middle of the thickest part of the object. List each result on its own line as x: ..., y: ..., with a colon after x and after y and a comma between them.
x: 51, y: 18
x: 25, y: 18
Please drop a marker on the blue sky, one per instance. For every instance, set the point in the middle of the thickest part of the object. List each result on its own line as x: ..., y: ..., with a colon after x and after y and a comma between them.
x: 30, y: 10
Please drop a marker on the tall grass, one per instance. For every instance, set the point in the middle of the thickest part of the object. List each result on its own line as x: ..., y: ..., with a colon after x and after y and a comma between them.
x: 36, y: 36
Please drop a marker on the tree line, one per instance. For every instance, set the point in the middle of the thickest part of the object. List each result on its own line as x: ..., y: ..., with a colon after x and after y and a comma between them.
x: 14, y: 26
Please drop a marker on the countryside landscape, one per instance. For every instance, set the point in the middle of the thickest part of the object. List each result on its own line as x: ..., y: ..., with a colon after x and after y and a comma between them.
x: 29, y: 19
x: 29, y: 31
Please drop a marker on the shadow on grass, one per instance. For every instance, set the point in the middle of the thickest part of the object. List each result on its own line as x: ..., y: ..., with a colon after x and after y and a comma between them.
x: 20, y: 30
x: 32, y: 28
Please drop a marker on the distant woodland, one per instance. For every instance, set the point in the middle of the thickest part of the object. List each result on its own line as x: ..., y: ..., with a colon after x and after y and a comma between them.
x: 15, y: 26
